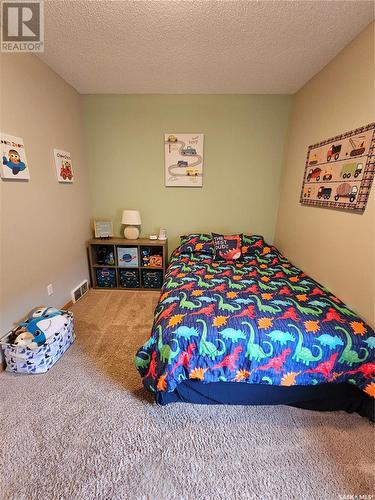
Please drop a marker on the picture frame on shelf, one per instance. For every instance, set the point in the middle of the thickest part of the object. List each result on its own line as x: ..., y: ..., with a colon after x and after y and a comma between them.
x: 103, y: 228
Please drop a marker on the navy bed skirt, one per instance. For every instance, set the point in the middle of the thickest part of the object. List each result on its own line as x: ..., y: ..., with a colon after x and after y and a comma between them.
x: 323, y: 397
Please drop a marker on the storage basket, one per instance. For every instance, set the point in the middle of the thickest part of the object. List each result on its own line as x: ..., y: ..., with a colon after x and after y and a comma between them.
x: 129, y: 278
x: 25, y: 360
x: 105, y: 277
x: 152, y: 279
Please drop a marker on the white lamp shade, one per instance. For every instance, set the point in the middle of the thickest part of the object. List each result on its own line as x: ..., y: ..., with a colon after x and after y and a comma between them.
x: 132, y: 217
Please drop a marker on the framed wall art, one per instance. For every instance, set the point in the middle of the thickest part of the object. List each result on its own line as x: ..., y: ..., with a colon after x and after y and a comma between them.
x: 183, y: 160
x: 63, y: 164
x: 13, y: 158
x: 339, y: 171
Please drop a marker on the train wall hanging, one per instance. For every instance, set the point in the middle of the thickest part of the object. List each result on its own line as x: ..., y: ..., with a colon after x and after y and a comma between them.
x: 339, y: 171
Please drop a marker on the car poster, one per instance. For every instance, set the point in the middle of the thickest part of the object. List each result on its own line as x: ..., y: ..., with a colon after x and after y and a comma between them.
x: 63, y: 164
x: 183, y: 160
x: 339, y: 171
x: 14, y: 164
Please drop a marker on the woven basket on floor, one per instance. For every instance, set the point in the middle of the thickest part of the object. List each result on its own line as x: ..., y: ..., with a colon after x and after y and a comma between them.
x: 25, y: 360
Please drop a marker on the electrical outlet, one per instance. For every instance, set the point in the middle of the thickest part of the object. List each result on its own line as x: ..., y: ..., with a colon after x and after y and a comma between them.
x: 50, y: 289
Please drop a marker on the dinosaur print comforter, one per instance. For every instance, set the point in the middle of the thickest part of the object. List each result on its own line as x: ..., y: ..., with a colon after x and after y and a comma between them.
x: 258, y: 321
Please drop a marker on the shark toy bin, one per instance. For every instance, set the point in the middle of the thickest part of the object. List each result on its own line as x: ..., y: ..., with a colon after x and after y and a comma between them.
x: 36, y: 344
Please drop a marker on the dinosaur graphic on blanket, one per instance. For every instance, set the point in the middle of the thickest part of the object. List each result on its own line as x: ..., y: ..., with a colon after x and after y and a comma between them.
x: 229, y: 361
x: 302, y: 353
x: 325, y: 368
x: 207, y: 348
x: 165, y: 351
x: 254, y: 350
x: 348, y: 355
x: 184, y: 358
x: 277, y: 362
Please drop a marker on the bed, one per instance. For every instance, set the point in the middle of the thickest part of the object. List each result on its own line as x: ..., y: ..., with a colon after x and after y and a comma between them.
x: 254, y: 331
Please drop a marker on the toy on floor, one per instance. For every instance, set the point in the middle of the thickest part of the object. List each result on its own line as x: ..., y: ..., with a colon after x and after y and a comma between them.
x: 26, y: 339
x: 41, y: 325
x: 53, y: 329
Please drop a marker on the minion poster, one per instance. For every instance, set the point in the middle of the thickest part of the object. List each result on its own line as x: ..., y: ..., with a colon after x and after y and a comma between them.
x: 339, y: 171
x: 63, y: 163
x: 13, y: 158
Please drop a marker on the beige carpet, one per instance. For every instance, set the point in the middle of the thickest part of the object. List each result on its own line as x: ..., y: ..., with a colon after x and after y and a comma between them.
x: 87, y: 430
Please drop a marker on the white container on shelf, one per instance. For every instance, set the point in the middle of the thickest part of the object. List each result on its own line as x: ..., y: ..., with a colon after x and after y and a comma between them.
x: 162, y: 234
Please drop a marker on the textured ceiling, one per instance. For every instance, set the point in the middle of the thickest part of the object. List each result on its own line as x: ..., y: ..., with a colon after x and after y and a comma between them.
x: 197, y: 46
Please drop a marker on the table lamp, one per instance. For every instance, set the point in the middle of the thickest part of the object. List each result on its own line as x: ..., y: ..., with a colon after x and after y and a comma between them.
x: 131, y: 218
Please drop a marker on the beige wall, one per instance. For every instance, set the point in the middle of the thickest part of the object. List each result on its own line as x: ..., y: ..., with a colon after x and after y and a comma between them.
x: 243, y: 151
x: 335, y: 247
x: 44, y: 224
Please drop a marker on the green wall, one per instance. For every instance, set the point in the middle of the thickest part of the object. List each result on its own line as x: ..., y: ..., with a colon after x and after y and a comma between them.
x: 243, y: 153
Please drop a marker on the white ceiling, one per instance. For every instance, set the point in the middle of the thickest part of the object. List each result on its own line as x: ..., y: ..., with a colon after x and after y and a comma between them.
x: 197, y: 46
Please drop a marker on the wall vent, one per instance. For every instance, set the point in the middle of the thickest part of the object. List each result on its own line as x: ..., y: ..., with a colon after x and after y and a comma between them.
x: 81, y: 289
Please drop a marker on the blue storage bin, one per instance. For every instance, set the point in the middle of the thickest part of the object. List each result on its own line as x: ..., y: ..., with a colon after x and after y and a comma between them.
x: 129, y: 278
x: 106, y: 277
x: 152, y: 279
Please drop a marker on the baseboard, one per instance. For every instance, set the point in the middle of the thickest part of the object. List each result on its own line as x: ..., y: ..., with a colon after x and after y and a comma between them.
x: 67, y: 305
